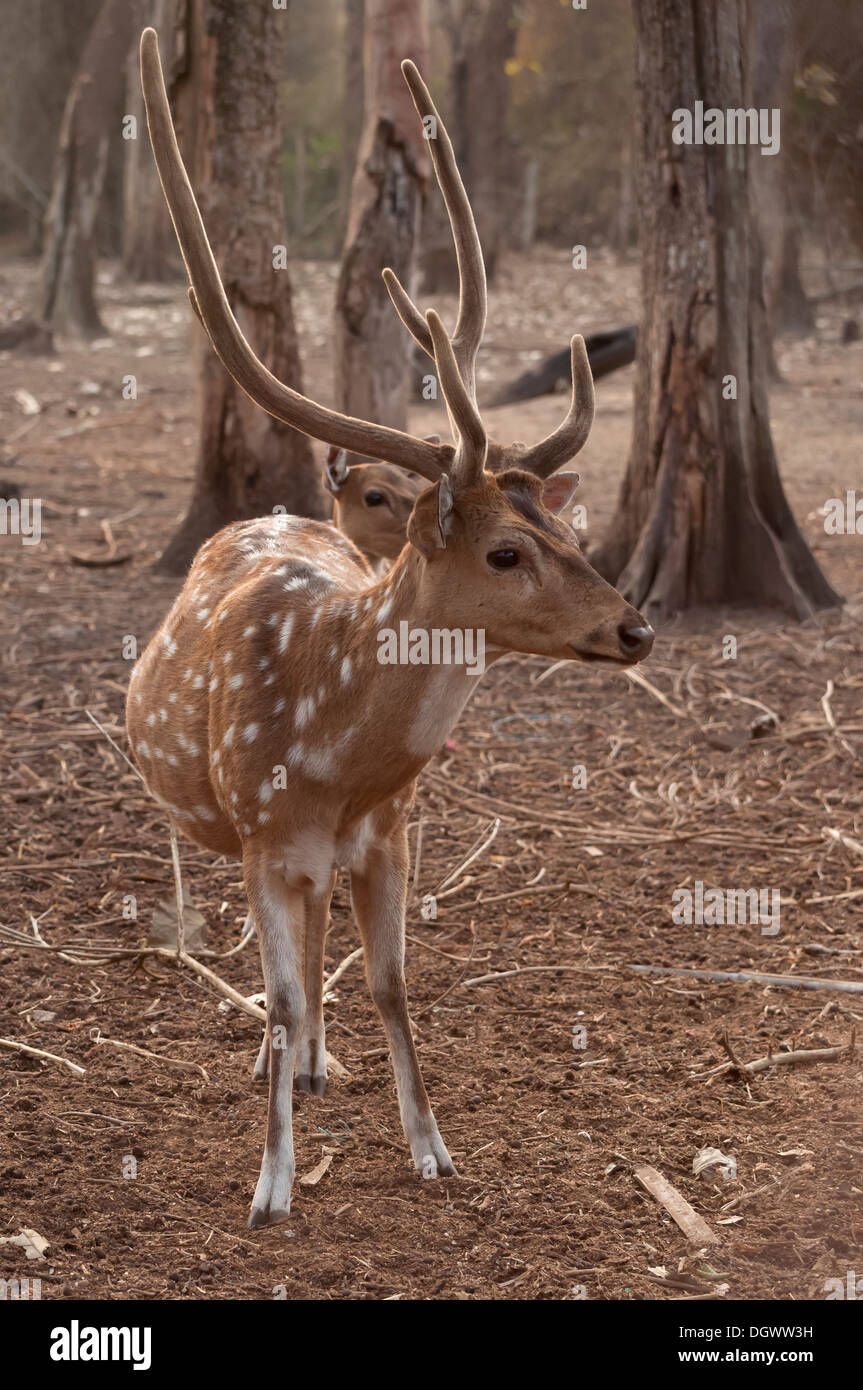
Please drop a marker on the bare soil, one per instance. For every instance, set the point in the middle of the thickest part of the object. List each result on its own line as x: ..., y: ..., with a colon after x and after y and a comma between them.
x: 732, y: 772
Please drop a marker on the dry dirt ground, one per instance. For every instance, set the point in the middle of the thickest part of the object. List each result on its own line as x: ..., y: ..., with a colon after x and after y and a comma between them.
x: 732, y: 772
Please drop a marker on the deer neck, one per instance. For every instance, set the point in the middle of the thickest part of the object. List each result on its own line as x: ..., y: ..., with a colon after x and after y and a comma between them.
x: 391, y: 668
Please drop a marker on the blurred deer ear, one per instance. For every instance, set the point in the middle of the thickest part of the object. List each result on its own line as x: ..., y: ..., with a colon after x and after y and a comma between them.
x: 558, y: 490
x: 336, y: 468
x: 444, y: 510
x: 432, y: 438
x: 431, y: 519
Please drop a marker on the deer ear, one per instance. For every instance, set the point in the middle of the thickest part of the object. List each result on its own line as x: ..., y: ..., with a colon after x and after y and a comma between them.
x: 558, y: 490
x: 336, y: 468
x: 431, y: 519
x: 444, y: 510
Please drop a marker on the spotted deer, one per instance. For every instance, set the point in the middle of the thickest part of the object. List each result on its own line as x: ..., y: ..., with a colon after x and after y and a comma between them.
x: 372, y: 502
x: 259, y: 713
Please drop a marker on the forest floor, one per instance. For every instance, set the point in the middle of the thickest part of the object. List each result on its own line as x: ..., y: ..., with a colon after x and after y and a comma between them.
x: 735, y: 772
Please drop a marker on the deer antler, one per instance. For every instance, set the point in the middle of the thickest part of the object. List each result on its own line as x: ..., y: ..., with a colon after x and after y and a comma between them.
x: 473, y: 442
x: 470, y: 324
x: 211, y: 304
x: 562, y: 444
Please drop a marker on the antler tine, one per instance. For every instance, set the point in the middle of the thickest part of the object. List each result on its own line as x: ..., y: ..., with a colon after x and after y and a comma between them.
x: 470, y: 324
x: 408, y: 311
x: 214, y: 311
x: 563, y: 444
x: 472, y: 448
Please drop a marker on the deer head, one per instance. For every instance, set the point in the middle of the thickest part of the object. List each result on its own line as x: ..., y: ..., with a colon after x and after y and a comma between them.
x: 495, y: 553
x: 372, y: 502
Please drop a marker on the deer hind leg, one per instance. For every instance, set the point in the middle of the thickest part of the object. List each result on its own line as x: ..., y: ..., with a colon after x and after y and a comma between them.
x: 262, y: 1065
x: 312, y: 1051
x: 279, y: 910
x: 378, y: 891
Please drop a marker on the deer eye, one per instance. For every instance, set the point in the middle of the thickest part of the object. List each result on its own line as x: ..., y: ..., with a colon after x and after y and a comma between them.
x: 503, y: 559
x: 374, y: 499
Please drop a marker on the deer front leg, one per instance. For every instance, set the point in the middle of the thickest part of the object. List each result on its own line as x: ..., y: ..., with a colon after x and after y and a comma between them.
x: 312, y: 1051
x: 379, y: 891
x: 279, y: 910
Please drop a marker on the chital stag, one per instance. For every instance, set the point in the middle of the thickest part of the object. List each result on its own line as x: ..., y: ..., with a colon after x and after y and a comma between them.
x: 259, y: 713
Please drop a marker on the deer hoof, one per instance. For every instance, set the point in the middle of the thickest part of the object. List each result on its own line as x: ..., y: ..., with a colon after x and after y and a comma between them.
x: 433, y: 1161
x: 265, y: 1216
x: 313, y: 1085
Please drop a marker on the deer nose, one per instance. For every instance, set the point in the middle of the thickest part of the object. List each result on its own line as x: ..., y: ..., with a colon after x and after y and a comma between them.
x: 635, y: 642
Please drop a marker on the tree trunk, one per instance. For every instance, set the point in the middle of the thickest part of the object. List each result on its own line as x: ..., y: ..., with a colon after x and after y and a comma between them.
x: 149, y: 248
x: 227, y: 111
x: 702, y: 517
x: 352, y: 107
x: 772, y: 42
x: 493, y: 180
x: 66, y: 298
x: 372, y: 347
x: 40, y: 48
x: 481, y: 37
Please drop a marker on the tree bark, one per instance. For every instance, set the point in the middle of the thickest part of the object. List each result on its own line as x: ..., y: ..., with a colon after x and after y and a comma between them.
x: 773, y: 44
x: 702, y: 517
x: 65, y: 297
x: 493, y: 180
x: 352, y: 106
x: 149, y: 250
x: 481, y: 39
x: 40, y: 47
x: 372, y: 347
x: 227, y: 113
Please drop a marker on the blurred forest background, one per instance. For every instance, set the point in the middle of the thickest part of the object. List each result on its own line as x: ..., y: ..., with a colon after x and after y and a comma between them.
x: 296, y: 128
x: 558, y: 99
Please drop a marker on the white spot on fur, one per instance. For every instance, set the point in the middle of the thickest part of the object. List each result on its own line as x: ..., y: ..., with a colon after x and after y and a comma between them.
x: 286, y: 630
x: 304, y: 711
